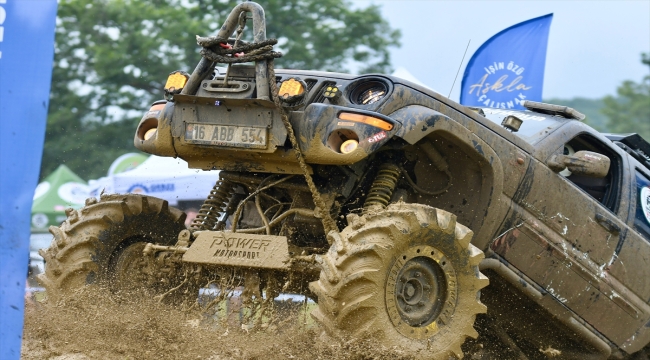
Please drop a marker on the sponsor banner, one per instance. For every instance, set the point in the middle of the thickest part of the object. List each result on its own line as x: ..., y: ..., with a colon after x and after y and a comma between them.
x: 42, y: 189
x: 73, y: 192
x: 26, y: 56
x: 151, y: 188
x: 644, y: 204
x: 509, y: 67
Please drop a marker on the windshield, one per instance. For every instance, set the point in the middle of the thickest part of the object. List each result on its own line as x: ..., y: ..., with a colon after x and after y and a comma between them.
x: 535, y: 126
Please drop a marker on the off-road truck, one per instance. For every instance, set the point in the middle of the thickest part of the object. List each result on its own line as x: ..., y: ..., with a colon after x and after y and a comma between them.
x: 390, y: 205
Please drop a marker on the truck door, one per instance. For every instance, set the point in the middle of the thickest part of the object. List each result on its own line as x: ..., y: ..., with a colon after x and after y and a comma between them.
x: 565, y: 234
x: 632, y: 265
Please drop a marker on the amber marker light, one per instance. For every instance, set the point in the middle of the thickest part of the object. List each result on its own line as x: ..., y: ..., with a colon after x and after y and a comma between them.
x: 175, y: 81
x: 369, y: 120
x: 349, y: 146
x: 290, y: 87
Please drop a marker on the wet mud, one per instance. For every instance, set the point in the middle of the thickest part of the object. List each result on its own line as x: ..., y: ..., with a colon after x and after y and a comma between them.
x: 95, y: 324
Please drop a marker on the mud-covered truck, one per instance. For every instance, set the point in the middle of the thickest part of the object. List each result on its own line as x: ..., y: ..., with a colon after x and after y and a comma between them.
x: 406, y: 216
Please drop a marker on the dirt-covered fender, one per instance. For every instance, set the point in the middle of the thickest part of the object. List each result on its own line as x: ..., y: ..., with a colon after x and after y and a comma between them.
x: 321, y: 133
x: 418, y: 122
x: 161, y: 142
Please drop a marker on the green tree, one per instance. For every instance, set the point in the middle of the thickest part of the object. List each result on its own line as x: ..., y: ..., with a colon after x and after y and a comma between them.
x: 592, y: 108
x: 629, y: 111
x: 112, y: 58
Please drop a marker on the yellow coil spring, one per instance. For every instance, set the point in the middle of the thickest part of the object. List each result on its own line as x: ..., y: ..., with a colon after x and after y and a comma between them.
x: 214, y: 206
x: 382, y: 188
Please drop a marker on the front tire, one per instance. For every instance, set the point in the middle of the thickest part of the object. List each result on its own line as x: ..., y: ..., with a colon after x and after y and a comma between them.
x: 406, y: 276
x: 102, y: 242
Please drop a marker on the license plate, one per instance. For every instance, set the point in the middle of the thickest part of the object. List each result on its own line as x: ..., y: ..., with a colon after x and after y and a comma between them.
x: 226, y: 135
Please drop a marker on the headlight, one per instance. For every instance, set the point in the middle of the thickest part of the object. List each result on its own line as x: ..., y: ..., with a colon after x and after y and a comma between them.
x: 149, y: 123
x: 149, y: 133
x: 368, y: 92
x: 349, y: 146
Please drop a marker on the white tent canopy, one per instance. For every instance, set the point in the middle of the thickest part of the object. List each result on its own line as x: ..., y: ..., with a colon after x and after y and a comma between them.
x: 162, y: 177
x: 401, y: 72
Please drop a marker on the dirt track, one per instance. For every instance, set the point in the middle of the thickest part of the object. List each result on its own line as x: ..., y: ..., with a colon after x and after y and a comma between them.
x: 101, y: 326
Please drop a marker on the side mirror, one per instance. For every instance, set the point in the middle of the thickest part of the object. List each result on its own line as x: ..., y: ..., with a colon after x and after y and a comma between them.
x: 586, y: 163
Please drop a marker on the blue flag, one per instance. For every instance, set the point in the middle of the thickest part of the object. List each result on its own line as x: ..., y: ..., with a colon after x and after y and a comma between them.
x: 26, y: 56
x: 509, y: 67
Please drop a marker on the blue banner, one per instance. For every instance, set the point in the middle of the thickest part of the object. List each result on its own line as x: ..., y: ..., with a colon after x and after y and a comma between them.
x: 509, y: 67
x: 26, y: 57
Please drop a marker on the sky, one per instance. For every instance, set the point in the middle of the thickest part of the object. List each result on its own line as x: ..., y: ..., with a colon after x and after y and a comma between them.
x: 593, y: 45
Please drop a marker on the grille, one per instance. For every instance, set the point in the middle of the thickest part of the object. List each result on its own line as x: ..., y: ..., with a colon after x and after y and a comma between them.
x: 310, y: 84
x: 320, y: 97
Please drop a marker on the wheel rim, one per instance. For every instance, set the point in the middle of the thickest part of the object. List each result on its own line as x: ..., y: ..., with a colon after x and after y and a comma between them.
x: 129, y: 270
x: 421, y: 292
x: 419, y: 287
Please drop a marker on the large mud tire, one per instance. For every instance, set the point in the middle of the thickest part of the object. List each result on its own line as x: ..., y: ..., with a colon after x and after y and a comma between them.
x: 100, y: 243
x: 406, y: 276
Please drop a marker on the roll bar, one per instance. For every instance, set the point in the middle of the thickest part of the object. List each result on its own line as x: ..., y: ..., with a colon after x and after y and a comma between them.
x: 205, y: 66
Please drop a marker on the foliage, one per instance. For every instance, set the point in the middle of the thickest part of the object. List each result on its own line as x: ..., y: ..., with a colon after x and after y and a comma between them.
x: 112, y: 58
x: 629, y: 112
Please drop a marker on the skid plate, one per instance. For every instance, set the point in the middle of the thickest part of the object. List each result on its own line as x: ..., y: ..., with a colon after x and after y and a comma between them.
x: 241, y: 250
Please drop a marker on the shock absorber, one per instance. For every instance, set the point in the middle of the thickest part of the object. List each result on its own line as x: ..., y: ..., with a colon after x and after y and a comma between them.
x: 383, y: 186
x: 214, y: 206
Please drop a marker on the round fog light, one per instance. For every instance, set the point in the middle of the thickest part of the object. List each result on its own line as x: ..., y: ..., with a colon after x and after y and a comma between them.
x: 349, y: 146
x: 149, y: 133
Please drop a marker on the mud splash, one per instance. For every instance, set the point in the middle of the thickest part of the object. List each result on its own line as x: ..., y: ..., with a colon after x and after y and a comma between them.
x: 96, y: 324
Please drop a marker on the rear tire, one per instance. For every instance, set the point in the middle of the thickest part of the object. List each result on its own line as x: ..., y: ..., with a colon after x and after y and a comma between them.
x: 406, y: 276
x: 102, y: 242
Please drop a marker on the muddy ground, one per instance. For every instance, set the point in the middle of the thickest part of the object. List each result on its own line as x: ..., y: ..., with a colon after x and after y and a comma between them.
x: 99, y: 325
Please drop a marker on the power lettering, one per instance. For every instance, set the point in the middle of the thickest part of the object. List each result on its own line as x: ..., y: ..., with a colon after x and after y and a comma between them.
x: 229, y: 254
x: 240, y: 243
